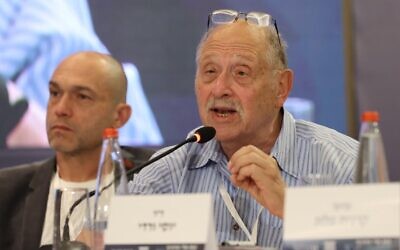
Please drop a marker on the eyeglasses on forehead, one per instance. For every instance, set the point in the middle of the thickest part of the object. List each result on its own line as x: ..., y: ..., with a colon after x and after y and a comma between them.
x: 225, y: 16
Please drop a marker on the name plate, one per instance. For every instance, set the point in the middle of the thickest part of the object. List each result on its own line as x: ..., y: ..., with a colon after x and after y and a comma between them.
x: 362, y: 212
x: 180, y: 221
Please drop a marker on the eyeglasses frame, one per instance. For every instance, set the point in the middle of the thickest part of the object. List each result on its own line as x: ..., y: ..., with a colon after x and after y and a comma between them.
x: 245, y: 14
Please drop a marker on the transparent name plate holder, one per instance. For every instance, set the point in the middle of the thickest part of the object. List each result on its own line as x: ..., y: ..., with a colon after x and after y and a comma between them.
x: 356, y: 244
x: 243, y: 245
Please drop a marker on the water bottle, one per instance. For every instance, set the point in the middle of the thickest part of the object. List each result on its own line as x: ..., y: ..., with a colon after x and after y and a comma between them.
x: 111, y: 180
x: 371, y: 164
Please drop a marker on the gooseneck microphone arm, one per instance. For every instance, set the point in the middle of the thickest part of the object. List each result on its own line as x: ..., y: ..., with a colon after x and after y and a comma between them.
x: 201, y: 135
x: 134, y: 170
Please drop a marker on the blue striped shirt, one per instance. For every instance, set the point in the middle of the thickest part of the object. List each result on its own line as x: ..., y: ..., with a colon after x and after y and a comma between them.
x: 301, y: 148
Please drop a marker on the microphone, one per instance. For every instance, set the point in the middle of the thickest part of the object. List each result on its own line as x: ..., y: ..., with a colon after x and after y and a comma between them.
x: 201, y: 135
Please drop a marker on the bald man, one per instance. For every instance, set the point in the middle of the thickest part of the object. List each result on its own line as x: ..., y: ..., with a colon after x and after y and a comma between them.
x: 87, y: 95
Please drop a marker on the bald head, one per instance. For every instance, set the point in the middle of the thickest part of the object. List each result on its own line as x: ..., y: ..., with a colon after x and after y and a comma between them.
x: 108, y: 70
x: 87, y: 94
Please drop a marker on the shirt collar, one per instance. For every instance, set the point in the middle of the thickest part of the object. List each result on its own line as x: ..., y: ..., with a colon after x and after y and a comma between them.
x: 203, y: 153
x: 284, y: 147
x: 282, y: 150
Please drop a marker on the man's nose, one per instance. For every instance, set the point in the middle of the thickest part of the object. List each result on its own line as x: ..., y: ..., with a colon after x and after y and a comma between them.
x: 63, y: 107
x: 223, y: 84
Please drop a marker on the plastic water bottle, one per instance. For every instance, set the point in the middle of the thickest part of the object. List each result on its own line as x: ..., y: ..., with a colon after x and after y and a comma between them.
x: 111, y: 180
x: 371, y: 164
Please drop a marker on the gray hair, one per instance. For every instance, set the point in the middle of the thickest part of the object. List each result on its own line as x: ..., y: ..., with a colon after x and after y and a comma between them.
x: 275, y: 52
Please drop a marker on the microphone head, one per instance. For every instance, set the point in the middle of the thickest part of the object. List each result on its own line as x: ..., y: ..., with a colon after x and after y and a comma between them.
x: 204, y: 134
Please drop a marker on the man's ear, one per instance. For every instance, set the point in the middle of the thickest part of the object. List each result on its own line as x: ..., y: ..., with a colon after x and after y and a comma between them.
x: 285, y: 83
x: 123, y: 113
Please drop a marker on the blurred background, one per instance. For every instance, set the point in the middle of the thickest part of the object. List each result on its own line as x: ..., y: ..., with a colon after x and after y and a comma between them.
x: 343, y: 52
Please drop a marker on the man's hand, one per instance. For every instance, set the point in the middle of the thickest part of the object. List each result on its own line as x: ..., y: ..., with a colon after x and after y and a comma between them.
x: 258, y: 173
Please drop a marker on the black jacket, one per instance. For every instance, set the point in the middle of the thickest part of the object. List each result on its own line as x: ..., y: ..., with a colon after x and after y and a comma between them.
x: 23, y: 199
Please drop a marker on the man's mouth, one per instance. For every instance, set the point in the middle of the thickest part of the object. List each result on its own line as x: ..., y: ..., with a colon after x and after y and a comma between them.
x: 223, y: 112
x: 61, y: 127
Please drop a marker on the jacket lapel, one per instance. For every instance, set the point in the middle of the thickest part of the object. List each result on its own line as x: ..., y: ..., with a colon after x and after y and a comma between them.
x: 36, y: 204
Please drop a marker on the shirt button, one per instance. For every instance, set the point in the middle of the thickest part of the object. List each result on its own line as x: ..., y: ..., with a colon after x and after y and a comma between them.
x: 235, y: 227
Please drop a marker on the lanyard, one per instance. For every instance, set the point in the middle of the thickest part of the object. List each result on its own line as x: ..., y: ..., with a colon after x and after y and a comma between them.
x: 232, y: 210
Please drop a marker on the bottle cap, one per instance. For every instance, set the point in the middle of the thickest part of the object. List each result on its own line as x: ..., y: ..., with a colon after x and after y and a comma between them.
x: 370, y: 116
x: 110, y: 132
